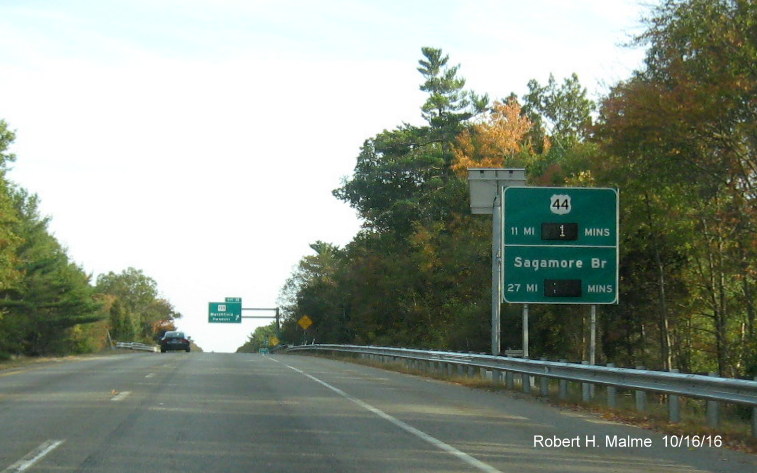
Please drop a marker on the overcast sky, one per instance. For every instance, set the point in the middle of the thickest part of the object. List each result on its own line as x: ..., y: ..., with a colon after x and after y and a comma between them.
x: 200, y: 140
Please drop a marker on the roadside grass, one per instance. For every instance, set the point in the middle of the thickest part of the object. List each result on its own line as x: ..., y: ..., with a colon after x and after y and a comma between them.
x: 734, y: 425
x: 18, y: 362
x: 14, y: 362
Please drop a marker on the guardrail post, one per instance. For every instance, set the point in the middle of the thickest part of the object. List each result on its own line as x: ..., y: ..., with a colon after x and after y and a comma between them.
x: 612, y: 392
x: 713, y: 411
x: 509, y: 380
x: 641, y: 397
x: 562, y: 393
x: 526, y: 381
x: 496, y: 376
x: 674, y: 405
x: 544, y: 383
x: 585, y: 388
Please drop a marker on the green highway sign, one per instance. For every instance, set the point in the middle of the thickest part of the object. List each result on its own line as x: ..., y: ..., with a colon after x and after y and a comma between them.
x: 233, y: 299
x: 225, y: 312
x: 560, y: 245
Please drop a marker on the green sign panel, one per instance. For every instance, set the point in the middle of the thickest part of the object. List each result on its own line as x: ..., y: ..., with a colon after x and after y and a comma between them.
x: 225, y: 312
x: 560, y: 245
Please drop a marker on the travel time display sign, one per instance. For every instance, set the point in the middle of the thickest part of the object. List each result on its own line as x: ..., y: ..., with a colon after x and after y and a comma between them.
x: 560, y: 245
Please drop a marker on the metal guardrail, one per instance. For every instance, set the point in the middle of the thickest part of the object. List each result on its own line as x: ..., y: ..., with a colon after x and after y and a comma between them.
x: 136, y: 346
x: 739, y: 391
x: 711, y: 388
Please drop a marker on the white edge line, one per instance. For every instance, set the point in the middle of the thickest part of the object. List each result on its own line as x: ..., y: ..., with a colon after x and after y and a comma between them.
x: 34, y: 456
x: 402, y: 425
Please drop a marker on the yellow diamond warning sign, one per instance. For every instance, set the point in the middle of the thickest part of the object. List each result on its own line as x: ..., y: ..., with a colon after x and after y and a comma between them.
x: 305, y: 322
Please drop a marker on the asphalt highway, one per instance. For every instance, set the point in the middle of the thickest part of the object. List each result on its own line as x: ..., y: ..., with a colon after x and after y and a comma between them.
x: 204, y: 412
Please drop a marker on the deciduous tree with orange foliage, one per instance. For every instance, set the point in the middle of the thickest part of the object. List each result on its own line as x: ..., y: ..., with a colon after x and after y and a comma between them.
x: 499, y: 141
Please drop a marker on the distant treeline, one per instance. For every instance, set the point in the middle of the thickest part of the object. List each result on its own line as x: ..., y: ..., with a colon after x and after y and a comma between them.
x: 677, y: 138
x: 48, y: 304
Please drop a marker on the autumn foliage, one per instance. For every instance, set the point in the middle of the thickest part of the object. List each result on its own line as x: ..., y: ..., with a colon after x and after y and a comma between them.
x: 497, y: 141
x: 677, y: 138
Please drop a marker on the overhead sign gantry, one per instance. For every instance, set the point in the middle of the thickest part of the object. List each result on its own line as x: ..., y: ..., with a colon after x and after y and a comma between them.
x: 230, y: 311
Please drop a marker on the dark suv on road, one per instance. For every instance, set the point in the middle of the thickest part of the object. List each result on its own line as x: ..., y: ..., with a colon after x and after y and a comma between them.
x: 174, y: 341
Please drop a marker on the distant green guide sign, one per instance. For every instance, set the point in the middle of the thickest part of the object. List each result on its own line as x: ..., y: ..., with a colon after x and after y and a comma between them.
x: 560, y: 245
x: 225, y: 312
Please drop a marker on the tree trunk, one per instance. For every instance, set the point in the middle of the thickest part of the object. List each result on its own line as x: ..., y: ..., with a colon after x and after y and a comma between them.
x: 717, y: 294
x: 662, y: 307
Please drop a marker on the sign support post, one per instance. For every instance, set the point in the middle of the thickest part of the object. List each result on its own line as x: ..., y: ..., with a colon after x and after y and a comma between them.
x: 593, y: 342
x: 496, y: 274
x: 525, y: 330
x: 485, y: 198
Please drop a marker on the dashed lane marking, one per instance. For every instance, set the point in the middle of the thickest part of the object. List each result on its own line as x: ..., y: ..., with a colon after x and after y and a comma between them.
x: 33, y: 457
x: 120, y: 396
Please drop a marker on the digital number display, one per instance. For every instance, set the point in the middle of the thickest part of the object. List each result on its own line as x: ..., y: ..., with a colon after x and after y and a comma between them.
x: 559, y: 231
x: 562, y: 288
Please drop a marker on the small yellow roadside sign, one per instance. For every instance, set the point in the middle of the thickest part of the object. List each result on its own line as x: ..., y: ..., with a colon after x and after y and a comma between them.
x: 273, y: 341
x: 305, y: 322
